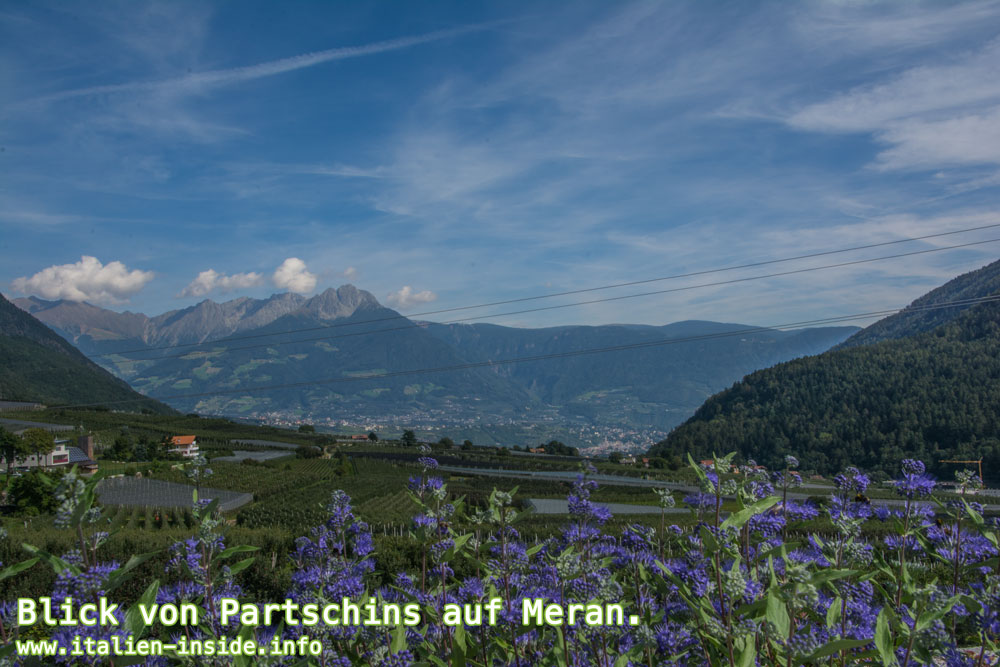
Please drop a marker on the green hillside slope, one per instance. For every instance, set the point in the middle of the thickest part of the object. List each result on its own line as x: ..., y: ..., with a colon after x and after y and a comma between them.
x: 932, y: 396
x: 38, y: 365
x: 912, y: 320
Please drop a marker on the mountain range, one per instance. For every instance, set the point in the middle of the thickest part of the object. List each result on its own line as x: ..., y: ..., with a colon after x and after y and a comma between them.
x: 918, y: 384
x: 318, y: 349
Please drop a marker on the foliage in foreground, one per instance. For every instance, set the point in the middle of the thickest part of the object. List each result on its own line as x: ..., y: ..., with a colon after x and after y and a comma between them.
x: 732, y: 591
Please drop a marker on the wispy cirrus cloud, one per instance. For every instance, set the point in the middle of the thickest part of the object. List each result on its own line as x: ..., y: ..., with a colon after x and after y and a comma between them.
x: 200, y: 81
x: 879, y: 27
x: 593, y: 143
x: 927, y: 117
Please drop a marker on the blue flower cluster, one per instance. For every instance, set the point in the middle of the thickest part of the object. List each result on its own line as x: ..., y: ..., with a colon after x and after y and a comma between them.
x: 754, y: 578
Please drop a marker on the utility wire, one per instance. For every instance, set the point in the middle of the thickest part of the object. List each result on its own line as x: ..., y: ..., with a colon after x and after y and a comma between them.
x: 561, y: 355
x: 624, y: 297
x: 566, y: 293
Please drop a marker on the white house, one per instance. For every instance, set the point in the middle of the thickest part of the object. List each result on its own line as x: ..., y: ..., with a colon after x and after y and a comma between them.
x: 63, y: 454
x: 185, y: 445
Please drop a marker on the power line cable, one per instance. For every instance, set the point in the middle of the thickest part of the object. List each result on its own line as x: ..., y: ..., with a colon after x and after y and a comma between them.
x: 566, y: 293
x: 546, y: 308
x: 561, y: 355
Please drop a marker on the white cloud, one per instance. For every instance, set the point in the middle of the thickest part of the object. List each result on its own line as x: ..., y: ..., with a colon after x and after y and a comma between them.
x: 920, y: 91
x: 87, y: 280
x: 351, y: 273
x: 293, y: 276
x: 863, y: 27
x: 211, y: 280
x: 963, y: 140
x: 406, y: 297
x: 927, y: 116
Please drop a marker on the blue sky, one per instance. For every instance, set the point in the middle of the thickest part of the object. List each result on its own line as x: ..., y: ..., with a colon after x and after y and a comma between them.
x: 442, y: 154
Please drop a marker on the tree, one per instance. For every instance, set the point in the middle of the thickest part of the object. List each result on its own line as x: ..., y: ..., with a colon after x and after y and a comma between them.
x: 12, y: 447
x: 467, y: 445
x: 308, y: 452
x: 145, y: 449
x: 446, y: 442
x: 39, y: 442
x: 615, y: 457
x: 409, y: 438
x: 372, y: 436
x: 342, y: 464
x: 123, y: 448
x: 32, y: 492
x: 307, y: 428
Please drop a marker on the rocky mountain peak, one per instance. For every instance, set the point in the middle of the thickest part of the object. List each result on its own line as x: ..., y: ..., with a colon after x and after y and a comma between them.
x: 342, y: 302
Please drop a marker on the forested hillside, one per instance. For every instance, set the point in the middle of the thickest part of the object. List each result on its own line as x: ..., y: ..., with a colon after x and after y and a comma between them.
x: 931, y: 396
x: 38, y: 365
x: 916, y: 319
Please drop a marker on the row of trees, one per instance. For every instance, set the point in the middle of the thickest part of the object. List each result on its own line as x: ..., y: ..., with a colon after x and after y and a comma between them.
x: 409, y: 439
x: 140, y: 448
x: 32, y: 442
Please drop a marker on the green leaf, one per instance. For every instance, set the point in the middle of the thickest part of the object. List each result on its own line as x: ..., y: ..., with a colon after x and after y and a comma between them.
x: 456, y: 547
x: 245, y: 633
x: 737, y: 519
x: 749, y: 653
x: 242, y: 565
x: 557, y: 648
x: 708, y: 539
x: 133, y: 618
x: 835, y: 646
x: 883, y: 639
x: 697, y: 469
x: 398, y: 639
x: 240, y: 549
x: 823, y: 576
x: 926, y: 620
x: 833, y: 613
x: 764, y: 554
x: 976, y: 517
x: 56, y: 563
x: 17, y: 568
x: 209, y: 509
x: 119, y: 576
x: 458, y: 647
x: 777, y: 614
